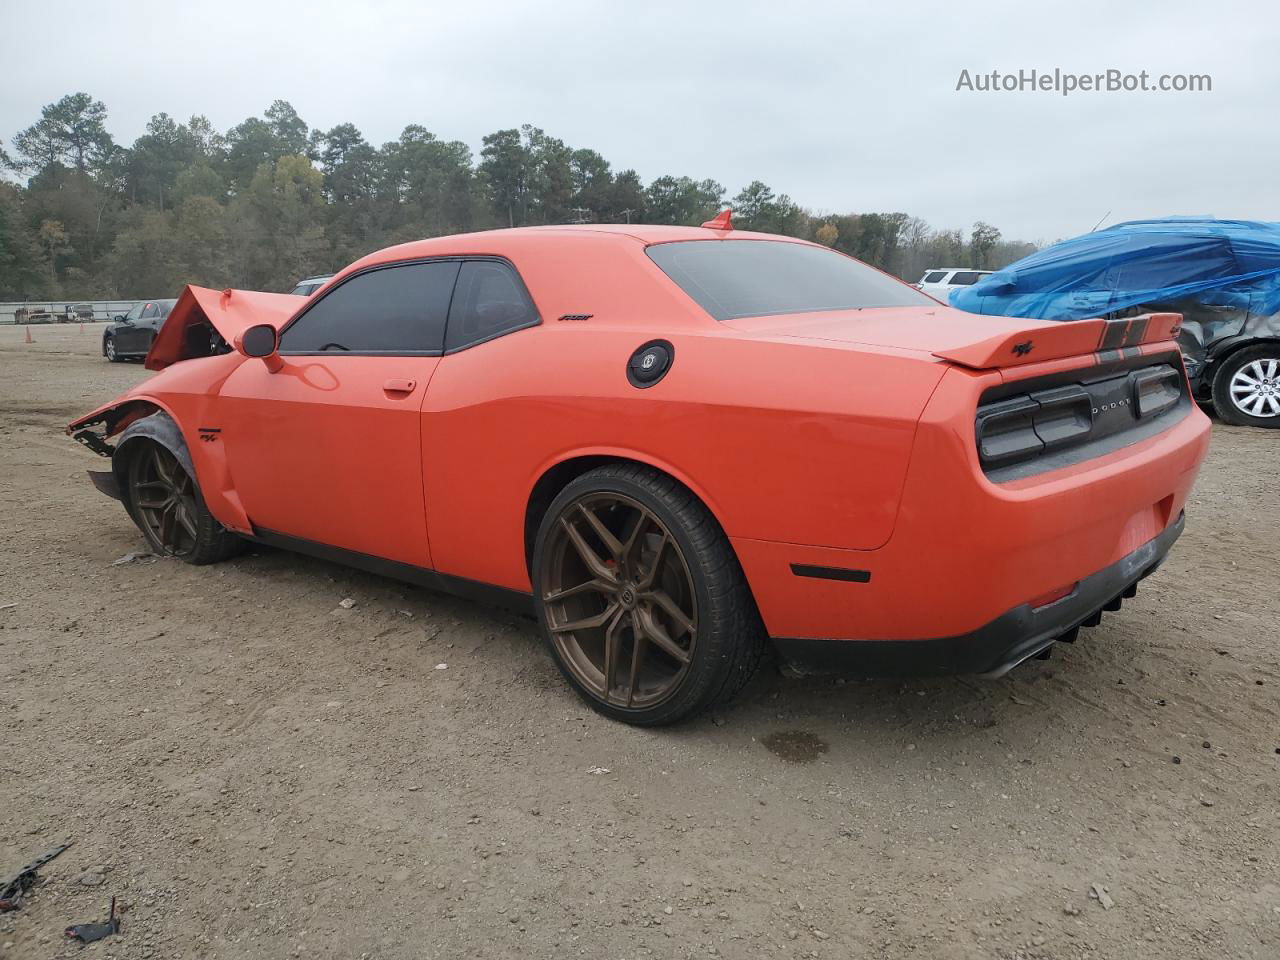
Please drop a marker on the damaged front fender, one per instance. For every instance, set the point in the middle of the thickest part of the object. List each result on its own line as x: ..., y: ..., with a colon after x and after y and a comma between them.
x: 112, y: 417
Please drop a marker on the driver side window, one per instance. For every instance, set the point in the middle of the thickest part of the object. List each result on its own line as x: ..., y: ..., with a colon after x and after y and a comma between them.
x: 398, y: 309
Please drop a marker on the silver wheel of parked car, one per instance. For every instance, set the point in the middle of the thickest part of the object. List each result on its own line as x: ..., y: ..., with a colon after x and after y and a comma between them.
x: 1255, y: 388
x: 1246, y: 388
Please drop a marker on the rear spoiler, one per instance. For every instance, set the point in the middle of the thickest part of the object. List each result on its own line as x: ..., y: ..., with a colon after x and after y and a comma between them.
x: 1068, y: 339
x: 230, y: 312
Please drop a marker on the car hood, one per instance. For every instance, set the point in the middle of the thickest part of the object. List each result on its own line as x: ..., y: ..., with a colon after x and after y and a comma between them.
x: 968, y: 339
x: 230, y: 312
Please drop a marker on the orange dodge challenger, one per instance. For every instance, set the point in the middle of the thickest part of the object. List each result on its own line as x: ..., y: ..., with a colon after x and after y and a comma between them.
x: 675, y: 446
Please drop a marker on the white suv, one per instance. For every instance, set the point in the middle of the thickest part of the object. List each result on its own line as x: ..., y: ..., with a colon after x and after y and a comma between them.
x: 941, y: 281
x: 307, y: 287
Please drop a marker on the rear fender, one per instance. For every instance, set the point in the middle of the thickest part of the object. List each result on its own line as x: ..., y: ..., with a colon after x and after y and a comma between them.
x: 1224, y: 348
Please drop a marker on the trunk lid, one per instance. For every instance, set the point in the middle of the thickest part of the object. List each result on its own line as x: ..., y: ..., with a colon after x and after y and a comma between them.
x: 968, y: 339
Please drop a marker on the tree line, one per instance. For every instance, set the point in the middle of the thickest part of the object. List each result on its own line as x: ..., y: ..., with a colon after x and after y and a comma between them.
x: 272, y: 200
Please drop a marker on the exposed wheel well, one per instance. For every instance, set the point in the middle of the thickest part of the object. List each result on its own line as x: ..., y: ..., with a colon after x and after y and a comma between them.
x: 157, y: 427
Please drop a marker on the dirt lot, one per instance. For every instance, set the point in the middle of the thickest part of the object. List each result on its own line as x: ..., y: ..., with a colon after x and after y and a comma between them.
x: 257, y: 772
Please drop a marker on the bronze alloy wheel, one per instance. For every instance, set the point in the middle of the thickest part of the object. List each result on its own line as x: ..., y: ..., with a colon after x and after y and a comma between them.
x: 621, y: 607
x: 164, y: 501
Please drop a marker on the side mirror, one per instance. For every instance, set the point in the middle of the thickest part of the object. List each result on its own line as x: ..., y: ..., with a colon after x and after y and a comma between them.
x: 261, y: 341
x: 120, y: 318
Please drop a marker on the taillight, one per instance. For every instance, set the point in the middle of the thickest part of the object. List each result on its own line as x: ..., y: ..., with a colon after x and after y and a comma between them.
x: 1037, y: 425
x: 1156, y: 390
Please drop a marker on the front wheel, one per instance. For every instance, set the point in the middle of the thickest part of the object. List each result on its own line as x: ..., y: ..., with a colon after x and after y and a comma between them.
x: 641, y: 599
x: 109, y: 349
x: 167, y: 506
x: 1246, y: 388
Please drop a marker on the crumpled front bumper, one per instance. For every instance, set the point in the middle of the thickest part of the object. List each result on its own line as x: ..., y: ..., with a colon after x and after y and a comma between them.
x: 105, y: 481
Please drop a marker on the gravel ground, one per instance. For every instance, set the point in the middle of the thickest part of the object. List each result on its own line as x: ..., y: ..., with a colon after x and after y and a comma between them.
x: 257, y: 772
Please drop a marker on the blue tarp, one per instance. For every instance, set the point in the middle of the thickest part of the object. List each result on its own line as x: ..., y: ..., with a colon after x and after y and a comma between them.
x: 1216, y: 263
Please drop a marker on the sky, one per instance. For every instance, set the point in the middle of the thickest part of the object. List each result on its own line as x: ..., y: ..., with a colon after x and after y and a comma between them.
x: 844, y: 106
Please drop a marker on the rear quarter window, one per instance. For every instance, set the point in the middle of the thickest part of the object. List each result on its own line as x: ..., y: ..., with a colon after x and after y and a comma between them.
x: 759, y: 278
x: 488, y: 301
x: 935, y: 277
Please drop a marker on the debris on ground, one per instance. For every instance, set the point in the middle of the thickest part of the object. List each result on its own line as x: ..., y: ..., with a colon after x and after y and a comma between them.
x: 7, y: 606
x: 14, y: 888
x: 346, y: 603
x: 90, y: 932
x: 135, y: 556
x: 1098, y: 892
x: 597, y: 771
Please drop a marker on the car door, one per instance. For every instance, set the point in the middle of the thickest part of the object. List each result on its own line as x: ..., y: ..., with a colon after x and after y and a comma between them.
x: 328, y: 449
x: 128, y: 335
x: 153, y: 315
x: 470, y: 513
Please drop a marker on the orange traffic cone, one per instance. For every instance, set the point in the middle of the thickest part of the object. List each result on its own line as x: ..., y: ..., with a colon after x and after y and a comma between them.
x: 82, y: 326
x: 28, y: 340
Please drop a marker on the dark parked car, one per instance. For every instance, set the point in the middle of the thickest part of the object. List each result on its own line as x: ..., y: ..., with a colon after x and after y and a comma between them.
x: 129, y: 337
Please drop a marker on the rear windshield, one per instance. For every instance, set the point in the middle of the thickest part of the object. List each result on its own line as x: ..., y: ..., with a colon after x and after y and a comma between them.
x: 759, y: 278
x: 967, y: 278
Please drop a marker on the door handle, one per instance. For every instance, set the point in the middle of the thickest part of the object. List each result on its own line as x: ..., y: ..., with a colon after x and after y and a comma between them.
x: 397, y: 385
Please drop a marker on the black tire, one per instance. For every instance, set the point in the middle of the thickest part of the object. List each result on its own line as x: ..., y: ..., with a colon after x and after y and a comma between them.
x: 1235, y: 400
x: 728, y: 641
x: 194, y: 536
x: 109, y: 349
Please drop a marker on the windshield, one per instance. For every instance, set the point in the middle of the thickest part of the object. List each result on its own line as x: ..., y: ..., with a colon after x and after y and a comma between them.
x: 760, y: 278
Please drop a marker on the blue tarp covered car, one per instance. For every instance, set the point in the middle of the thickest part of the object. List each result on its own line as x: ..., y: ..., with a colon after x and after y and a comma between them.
x: 1223, y: 276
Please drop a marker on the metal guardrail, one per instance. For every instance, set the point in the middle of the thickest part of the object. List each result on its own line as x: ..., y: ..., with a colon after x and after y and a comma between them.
x: 103, y: 310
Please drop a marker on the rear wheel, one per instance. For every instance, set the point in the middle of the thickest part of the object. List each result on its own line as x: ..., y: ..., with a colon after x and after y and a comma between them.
x: 641, y: 598
x: 167, y: 506
x: 1246, y: 388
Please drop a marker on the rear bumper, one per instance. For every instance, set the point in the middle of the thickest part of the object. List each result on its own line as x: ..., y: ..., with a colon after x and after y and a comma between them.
x: 999, y: 646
